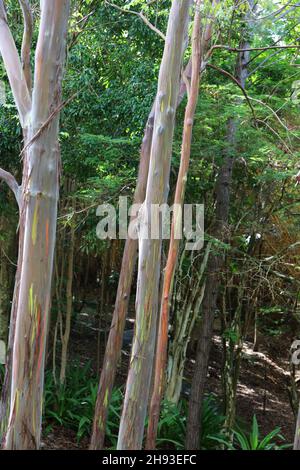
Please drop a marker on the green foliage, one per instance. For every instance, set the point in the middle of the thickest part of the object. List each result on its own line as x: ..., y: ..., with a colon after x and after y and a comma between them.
x: 212, y: 423
x: 252, y: 440
x: 73, y: 405
x: 273, y: 320
x: 172, y: 424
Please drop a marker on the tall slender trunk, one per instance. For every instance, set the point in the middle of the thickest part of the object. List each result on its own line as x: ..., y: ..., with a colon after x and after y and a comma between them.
x: 69, y: 302
x: 115, y: 338
x: 114, y: 343
x: 215, y: 264
x: 38, y: 214
x: 297, y: 433
x: 139, y: 376
x: 186, y: 315
x: 162, y: 340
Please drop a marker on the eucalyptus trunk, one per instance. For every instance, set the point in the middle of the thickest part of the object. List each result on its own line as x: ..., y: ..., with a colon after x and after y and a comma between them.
x: 137, y: 388
x: 115, y: 338
x: 199, y: 48
x: 37, y: 199
x: 162, y: 340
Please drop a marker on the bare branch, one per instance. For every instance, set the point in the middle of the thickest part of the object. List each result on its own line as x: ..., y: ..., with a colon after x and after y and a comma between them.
x: 26, y: 42
x: 83, y: 22
x: 277, y: 135
x: 47, y: 122
x: 140, y: 15
x: 13, y: 69
x: 297, y: 5
x: 273, y: 13
x: 229, y: 75
x: 12, y: 183
x: 274, y: 114
x: 249, y: 49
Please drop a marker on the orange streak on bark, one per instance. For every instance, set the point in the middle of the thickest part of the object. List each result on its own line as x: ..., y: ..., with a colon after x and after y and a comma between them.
x: 162, y: 340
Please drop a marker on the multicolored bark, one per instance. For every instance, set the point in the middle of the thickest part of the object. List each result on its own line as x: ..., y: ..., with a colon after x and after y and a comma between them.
x: 137, y: 388
x: 162, y: 341
x: 38, y: 214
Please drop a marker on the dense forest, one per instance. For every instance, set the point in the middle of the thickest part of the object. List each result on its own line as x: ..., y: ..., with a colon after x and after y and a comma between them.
x: 149, y: 224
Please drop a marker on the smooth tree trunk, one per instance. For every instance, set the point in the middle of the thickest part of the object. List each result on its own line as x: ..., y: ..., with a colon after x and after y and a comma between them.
x: 38, y: 213
x: 162, y: 340
x: 138, y: 382
x: 187, y: 306
x: 114, y: 343
x: 115, y: 338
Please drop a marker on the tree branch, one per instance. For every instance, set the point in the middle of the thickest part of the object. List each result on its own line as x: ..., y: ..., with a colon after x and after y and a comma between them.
x: 140, y: 15
x: 13, y: 68
x: 26, y: 41
x: 229, y: 75
x: 277, y: 135
x: 275, y: 115
x: 297, y: 5
x: 83, y: 22
x: 273, y: 13
x: 249, y: 49
x: 12, y: 183
x: 47, y: 122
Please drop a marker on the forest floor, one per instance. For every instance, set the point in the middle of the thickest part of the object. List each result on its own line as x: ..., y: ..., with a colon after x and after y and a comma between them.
x: 262, y: 389
x: 263, y: 385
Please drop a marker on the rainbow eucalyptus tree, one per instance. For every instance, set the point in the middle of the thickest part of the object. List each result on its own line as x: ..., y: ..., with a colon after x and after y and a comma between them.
x: 138, y: 382
x: 37, y: 197
x: 114, y: 342
x: 162, y: 340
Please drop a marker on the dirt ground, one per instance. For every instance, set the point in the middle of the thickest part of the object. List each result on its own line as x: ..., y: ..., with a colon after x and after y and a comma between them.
x: 263, y: 386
